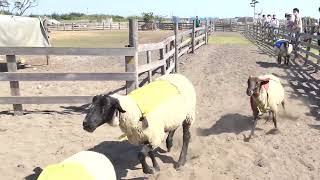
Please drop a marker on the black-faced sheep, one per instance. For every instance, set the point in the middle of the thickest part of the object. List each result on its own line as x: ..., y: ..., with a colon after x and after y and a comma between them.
x: 266, y: 93
x: 283, y: 49
x: 146, y: 114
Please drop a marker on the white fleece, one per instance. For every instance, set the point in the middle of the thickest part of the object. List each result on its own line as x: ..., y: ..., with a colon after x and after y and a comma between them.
x: 282, y: 51
x: 269, y: 100
x: 166, y: 117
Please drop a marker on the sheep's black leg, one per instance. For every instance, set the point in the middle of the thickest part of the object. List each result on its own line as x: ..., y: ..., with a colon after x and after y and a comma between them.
x: 154, y: 161
x: 279, y: 59
x: 169, y: 140
x: 186, y: 139
x: 142, y: 158
x: 287, y: 59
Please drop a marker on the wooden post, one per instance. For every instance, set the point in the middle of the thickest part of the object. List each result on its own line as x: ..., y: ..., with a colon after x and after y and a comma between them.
x: 132, y: 61
x: 72, y: 27
x: 148, y: 62
x: 193, y: 35
x: 206, y: 32
x: 176, y: 50
x: 163, y: 68
x: 64, y: 26
x: 103, y: 26
x: 110, y: 25
x: 119, y: 26
x: 14, y: 85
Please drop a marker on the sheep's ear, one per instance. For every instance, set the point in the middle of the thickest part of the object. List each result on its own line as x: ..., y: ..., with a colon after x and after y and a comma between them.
x: 144, y: 121
x: 117, y: 105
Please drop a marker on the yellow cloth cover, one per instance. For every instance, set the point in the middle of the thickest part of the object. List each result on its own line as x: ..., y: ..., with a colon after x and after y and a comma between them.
x: 65, y: 171
x: 152, y: 95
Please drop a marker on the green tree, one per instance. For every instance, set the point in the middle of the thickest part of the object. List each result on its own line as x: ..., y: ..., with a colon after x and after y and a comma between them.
x: 148, y: 17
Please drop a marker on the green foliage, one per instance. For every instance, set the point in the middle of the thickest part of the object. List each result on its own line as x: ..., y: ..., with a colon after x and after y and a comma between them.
x: 148, y: 17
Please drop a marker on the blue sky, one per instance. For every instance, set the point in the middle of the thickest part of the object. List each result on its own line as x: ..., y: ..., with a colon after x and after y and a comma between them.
x: 182, y: 8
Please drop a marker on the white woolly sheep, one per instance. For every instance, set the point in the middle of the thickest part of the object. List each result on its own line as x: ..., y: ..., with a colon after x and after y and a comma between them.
x: 283, y: 49
x: 266, y: 93
x: 86, y: 165
x: 147, y: 113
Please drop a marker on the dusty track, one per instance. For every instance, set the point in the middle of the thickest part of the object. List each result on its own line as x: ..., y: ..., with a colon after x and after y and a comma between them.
x: 217, y: 150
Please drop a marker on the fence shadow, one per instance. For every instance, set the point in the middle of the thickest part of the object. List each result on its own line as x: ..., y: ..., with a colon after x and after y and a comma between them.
x: 230, y: 123
x: 300, y: 77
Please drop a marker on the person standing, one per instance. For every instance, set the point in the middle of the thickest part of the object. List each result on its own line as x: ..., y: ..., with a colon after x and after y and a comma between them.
x: 198, y: 23
x: 318, y: 33
x: 296, y: 29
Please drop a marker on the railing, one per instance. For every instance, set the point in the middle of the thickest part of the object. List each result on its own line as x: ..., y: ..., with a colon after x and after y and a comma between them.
x: 303, y: 42
x: 170, y: 50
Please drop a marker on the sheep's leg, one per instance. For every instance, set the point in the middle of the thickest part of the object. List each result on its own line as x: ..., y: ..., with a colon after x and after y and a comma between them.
x: 142, y: 158
x: 169, y: 140
x: 154, y: 161
x: 287, y: 59
x: 255, y: 119
x: 279, y: 59
x: 186, y: 138
x: 274, y: 119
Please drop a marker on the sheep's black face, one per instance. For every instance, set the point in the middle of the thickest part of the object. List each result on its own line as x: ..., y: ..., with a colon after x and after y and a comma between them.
x: 253, y: 86
x: 102, y: 110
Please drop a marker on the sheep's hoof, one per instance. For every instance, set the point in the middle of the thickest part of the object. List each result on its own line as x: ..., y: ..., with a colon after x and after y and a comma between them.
x: 157, y: 168
x: 149, y: 170
x: 178, y: 166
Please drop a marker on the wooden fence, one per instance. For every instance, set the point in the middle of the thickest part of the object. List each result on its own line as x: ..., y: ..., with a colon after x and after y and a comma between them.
x: 170, y: 50
x: 118, y: 26
x: 229, y: 27
x: 303, y: 46
x: 88, y: 26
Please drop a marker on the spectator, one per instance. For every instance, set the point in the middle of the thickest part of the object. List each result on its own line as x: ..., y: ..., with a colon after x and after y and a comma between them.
x: 197, y: 22
x: 274, y: 22
x: 297, y: 23
x: 263, y: 20
x: 268, y: 21
x: 289, y: 21
x: 318, y: 33
x: 297, y: 29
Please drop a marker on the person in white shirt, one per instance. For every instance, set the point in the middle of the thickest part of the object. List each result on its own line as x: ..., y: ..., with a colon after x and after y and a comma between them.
x: 297, y: 22
x: 274, y: 22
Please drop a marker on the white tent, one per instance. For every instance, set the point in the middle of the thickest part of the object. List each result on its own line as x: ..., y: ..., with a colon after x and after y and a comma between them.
x: 16, y: 31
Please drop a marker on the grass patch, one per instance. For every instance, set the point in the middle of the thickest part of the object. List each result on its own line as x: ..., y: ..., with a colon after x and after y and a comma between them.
x: 228, y: 39
x: 102, y: 39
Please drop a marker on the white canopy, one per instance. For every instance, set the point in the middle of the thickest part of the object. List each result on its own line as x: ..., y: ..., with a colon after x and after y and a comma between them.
x: 17, y: 31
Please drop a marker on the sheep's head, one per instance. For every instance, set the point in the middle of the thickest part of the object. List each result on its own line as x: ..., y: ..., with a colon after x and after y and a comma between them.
x: 254, y: 85
x: 102, y: 110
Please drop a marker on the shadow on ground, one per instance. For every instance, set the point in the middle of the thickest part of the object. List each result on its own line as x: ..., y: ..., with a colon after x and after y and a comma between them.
x: 230, y: 123
x: 124, y: 156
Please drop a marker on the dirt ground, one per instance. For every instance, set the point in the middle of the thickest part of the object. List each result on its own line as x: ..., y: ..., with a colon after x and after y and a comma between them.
x: 217, y: 150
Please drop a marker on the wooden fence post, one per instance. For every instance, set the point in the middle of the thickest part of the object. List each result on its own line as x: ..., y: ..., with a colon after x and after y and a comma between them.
x: 206, y: 32
x: 148, y: 62
x: 193, y: 35
x: 103, y: 26
x: 111, y: 25
x: 64, y: 26
x: 72, y: 27
x: 119, y: 26
x: 14, y: 85
x: 163, y: 68
x: 176, y: 50
x: 132, y: 61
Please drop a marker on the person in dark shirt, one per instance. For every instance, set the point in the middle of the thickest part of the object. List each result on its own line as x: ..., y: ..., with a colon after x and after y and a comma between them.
x: 197, y: 22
